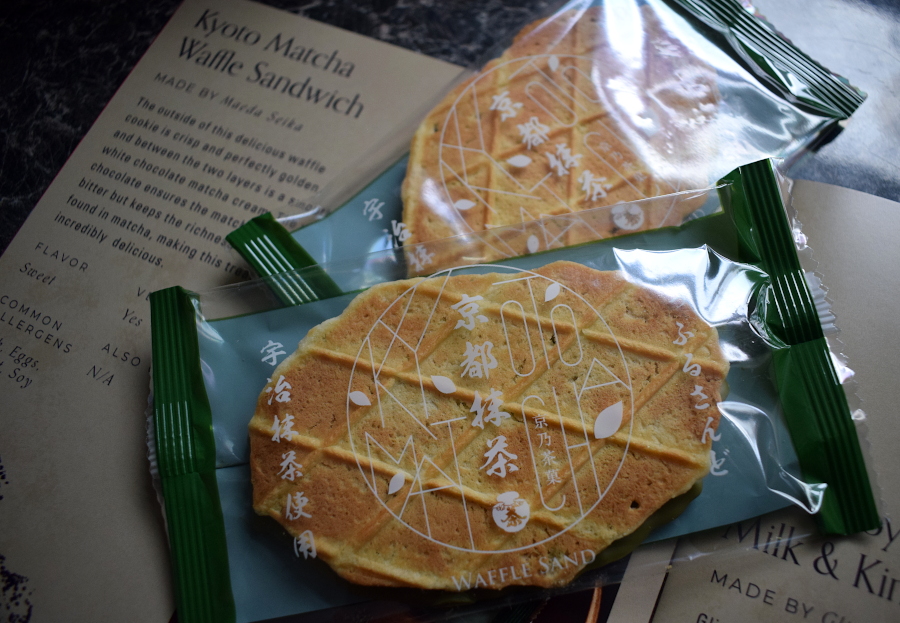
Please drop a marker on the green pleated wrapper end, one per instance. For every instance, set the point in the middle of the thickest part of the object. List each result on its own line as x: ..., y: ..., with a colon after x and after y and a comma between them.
x: 793, y: 74
x: 274, y: 254
x: 819, y: 420
x: 185, y: 450
x: 815, y: 406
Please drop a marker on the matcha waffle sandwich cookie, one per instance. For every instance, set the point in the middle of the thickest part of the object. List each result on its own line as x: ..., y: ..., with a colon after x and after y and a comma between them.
x: 486, y: 429
x: 560, y: 123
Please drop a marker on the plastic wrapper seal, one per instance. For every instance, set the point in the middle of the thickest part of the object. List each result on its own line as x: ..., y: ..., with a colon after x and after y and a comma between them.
x: 592, y: 106
x: 631, y: 355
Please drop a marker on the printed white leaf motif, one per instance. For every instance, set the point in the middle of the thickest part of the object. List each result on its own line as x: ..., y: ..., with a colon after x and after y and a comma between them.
x: 464, y: 204
x: 552, y: 292
x: 444, y: 385
x: 396, y: 483
x: 359, y: 398
x: 520, y: 161
x: 533, y: 243
x: 553, y: 63
x: 609, y: 421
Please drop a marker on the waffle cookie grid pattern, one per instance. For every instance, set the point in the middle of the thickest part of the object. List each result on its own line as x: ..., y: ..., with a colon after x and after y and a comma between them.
x: 390, y: 467
x: 561, y: 123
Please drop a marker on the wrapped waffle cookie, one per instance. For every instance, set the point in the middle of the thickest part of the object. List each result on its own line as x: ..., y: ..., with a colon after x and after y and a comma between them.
x: 563, y: 122
x: 345, y: 436
x: 452, y: 426
x: 597, y: 107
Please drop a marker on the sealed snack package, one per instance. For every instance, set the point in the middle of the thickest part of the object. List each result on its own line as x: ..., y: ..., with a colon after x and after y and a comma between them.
x: 495, y: 424
x: 471, y: 422
x: 598, y: 105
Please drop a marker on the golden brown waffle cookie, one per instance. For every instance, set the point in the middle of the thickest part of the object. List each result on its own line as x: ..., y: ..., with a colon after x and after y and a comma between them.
x: 564, y: 121
x: 483, y: 430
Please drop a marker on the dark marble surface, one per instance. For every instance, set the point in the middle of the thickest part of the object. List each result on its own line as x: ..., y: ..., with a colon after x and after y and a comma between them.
x: 62, y: 61
x: 859, y: 40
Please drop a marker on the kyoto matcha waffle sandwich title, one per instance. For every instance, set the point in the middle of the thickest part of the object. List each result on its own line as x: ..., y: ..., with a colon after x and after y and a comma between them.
x: 207, y: 50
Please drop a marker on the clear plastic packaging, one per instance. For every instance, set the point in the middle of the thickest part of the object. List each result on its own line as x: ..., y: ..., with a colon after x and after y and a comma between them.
x: 598, y: 104
x: 785, y: 435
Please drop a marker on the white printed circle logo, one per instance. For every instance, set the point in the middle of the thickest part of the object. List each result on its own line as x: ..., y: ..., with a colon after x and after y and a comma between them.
x: 511, y: 512
x: 628, y: 217
x: 455, y: 396
x: 598, y: 162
